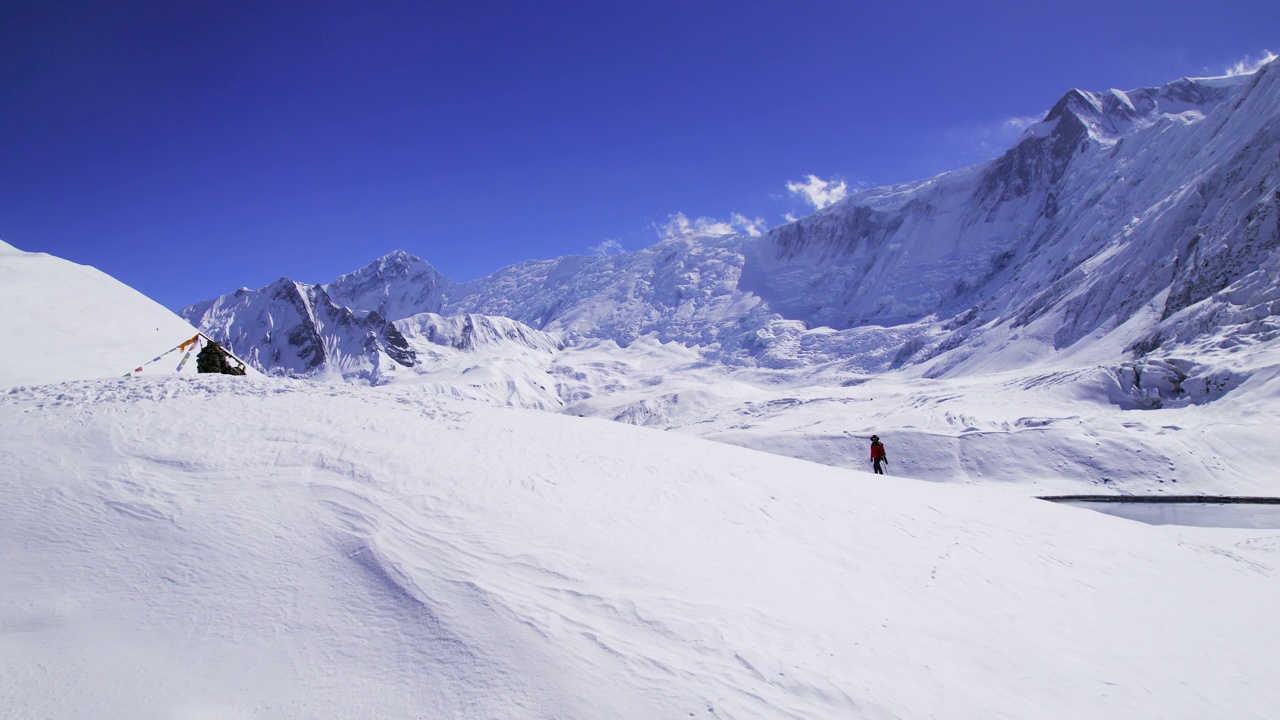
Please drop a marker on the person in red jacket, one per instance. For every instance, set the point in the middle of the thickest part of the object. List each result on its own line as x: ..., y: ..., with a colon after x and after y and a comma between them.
x: 878, y: 455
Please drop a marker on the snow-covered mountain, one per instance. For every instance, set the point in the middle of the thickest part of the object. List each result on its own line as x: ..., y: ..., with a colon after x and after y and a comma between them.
x: 481, y: 357
x: 1148, y: 217
x: 294, y: 328
x: 470, y: 332
x: 395, y: 286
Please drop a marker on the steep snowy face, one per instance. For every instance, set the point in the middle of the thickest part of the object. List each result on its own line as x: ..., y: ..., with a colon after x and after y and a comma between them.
x: 1109, y: 202
x: 1079, y: 222
x: 292, y: 328
x: 1082, y: 121
x: 888, y: 256
x: 481, y: 357
x: 683, y: 289
x: 340, y: 328
x: 394, y: 286
x: 1178, y: 209
x: 1112, y: 114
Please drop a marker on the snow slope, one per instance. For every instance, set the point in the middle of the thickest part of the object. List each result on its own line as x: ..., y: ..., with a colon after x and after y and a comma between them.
x: 219, y: 547
x: 480, y: 357
x: 64, y: 321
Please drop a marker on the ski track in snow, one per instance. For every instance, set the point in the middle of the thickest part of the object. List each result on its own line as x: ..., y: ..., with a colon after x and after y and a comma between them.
x: 219, y: 547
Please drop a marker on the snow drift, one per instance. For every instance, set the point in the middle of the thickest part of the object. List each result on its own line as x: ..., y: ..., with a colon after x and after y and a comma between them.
x: 231, y: 547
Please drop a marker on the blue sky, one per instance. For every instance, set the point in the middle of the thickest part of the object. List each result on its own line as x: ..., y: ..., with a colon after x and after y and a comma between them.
x: 192, y: 148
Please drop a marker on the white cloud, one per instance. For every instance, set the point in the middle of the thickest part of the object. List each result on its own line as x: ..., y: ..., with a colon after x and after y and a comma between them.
x: 959, y: 146
x: 1015, y: 125
x: 679, y: 225
x: 1248, y: 66
x: 608, y: 247
x: 982, y: 141
x: 818, y: 192
x: 747, y: 226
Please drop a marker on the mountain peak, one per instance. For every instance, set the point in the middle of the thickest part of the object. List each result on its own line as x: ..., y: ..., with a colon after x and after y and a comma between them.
x: 395, y: 261
x: 396, y: 285
x: 1075, y: 102
x: 397, y: 257
x: 1108, y: 115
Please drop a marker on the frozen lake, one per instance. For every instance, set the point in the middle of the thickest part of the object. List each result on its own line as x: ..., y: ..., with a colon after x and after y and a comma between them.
x: 1256, y: 513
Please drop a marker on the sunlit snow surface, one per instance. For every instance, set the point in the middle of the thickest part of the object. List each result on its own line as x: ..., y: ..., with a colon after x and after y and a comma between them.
x: 221, y: 547
x: 62, y: 321
x: 1064, y: 426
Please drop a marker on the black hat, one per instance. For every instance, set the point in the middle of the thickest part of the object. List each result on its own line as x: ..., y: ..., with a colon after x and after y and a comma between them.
x: 874, y: 438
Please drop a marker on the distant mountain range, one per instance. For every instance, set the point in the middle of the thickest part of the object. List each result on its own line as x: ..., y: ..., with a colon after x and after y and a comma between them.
x: 1138, y: 227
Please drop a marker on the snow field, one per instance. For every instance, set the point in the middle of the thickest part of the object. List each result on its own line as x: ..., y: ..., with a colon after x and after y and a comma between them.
x: 236, y: 548
x: 1054, y: 429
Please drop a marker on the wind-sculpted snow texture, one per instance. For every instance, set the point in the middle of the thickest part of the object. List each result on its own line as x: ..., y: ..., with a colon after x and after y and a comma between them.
x: 1148, y: 215
x: 221, y: 547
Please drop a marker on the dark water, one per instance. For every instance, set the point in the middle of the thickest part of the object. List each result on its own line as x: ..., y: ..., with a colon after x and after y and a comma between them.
x: 1235, y: 514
